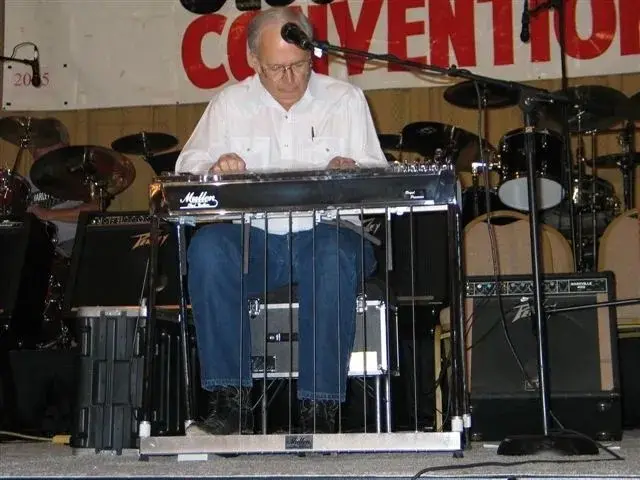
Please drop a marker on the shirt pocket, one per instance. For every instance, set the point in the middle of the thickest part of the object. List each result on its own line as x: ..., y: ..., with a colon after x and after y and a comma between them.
x: 255, y: 151
x: 324, y: 149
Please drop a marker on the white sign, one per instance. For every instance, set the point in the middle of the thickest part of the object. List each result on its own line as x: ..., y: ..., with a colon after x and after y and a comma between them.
x: 114, y: 53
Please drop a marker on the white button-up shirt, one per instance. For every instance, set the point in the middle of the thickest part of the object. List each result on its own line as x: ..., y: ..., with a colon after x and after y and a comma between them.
x: 332, y: 119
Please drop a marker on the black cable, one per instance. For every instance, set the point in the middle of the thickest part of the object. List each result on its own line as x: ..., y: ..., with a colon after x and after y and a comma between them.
x: 457, y: 466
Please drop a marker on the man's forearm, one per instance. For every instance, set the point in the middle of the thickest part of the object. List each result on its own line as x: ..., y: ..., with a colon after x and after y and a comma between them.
x: 70, y: 214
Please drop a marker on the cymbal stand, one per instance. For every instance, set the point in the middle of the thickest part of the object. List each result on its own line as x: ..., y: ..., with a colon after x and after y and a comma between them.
x: 576, y: 210
x: 483, y: 163
x: 97, y: 190
x: 7, y: 185
x: 594, y: 229
x: 146, y: 153
x: 25, y: 141
x: 626, y: 139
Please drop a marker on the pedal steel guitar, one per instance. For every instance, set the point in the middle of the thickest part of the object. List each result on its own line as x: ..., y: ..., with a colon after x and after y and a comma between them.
x: 396, y: 190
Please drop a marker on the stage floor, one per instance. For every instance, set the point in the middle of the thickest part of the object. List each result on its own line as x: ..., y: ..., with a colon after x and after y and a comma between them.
x: 19, y: 459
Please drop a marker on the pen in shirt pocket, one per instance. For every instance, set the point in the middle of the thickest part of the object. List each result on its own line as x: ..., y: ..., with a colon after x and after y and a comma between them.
x: 313, y: 134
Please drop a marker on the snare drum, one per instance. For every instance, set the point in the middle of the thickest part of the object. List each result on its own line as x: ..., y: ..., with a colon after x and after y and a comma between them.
x: 14, y: 194
x: 547, y: 163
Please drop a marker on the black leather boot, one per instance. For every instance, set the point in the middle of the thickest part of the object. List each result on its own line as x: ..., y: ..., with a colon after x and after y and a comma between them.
x: 325, y: 411
x: 230, y: 413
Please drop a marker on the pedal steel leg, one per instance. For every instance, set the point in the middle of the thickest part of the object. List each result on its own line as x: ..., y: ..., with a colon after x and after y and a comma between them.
x: 378, y: 405
x: 184, y: 341
x: 150, y: 332
x: 460, y: 420
x: 387, y: 396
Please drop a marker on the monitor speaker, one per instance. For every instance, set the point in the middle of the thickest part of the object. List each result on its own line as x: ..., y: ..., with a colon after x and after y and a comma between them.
x: 26, y: 254
x: 582, y: 356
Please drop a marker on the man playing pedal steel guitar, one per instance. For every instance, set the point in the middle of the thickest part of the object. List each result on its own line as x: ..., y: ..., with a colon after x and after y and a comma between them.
x: 285, y: 117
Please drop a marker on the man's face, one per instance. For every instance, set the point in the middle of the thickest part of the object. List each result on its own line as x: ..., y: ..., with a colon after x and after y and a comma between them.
x: 283, y: 68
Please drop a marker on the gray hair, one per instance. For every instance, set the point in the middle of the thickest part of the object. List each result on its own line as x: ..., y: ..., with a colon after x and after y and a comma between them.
x: 279, y: 16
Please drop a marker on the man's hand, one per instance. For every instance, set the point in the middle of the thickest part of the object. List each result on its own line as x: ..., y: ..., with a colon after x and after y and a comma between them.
x: 342, y: 163
x: 229, y: 162
x: 40, y: 212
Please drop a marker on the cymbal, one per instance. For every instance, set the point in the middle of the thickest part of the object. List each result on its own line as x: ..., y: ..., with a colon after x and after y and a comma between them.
x: 633, y: 110
x: 164, y: 162
x: 29, y: 131
x: 465, y: 95
x: 144, y: 143
x: 67, y: 173
x: 614, y: 160
x: 595, y: 107
x: 389, y: 141
x: 426, y: 138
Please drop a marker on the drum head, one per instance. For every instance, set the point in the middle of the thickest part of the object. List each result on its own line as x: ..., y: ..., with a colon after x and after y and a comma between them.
x: 513, y: 193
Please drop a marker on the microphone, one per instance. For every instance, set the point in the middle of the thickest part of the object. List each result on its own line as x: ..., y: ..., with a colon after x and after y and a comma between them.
x: 293, y: 34
x: 35, y: 68
x: 524, y: 33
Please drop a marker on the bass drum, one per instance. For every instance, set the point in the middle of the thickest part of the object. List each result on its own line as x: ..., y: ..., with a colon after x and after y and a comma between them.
x: 549, y: 148
x: 14, y: 194
x: 604, y: 204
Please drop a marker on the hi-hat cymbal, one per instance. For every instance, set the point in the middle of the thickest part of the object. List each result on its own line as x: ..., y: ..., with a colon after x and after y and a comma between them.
x: 594, y: 107
x: 615, y: 160
x: 433, y: 139
x: 144, y: 143
x: 30, y: 132
x: 68, y: 173
x: 465, y: 95
x: 389, y: 141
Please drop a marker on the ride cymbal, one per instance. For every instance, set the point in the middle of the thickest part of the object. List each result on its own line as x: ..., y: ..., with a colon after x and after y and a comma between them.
x: 30, y: 132
x: 615, y: 160
x: 435, y: 140
x: 465, y: 95
x: 593, y: 108
x: 70, y: 173
x: 144, y: 143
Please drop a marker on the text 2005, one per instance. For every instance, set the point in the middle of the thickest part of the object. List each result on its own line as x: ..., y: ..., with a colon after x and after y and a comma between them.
x: 24, y: 79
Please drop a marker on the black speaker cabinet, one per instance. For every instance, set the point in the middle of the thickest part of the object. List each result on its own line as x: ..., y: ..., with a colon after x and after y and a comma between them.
x: 109, y: 266
x: 26, y: 254
x: 419, y: 255
x: 582, y: 356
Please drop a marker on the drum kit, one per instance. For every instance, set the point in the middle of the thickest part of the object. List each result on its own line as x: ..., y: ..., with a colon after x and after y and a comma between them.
x: 498, y: 175
x: 82, y: 173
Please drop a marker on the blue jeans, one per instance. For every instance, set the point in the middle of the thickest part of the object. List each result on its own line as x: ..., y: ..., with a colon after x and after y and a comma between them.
x: 215, y: 259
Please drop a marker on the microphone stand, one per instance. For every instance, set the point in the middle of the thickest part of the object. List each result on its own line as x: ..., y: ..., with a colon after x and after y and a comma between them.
x: 531, y: 96
x: 566, y: 135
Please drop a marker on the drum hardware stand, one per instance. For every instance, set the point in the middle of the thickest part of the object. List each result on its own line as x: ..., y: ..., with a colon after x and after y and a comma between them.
x: 25, y: 141
x: 578, y: 246
x: 594, y: 230
x: 626, y: 140
x: 97, y: 189
x: 484, y: 163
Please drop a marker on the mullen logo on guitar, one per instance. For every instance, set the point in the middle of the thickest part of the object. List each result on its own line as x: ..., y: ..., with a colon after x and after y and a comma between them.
x: 201, y: 200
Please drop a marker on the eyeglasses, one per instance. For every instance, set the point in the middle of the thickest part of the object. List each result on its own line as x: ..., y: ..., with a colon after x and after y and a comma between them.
x: 277, y: 71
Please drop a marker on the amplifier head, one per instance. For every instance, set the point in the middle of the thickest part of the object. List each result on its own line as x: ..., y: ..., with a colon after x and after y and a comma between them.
x: 109, y: 266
